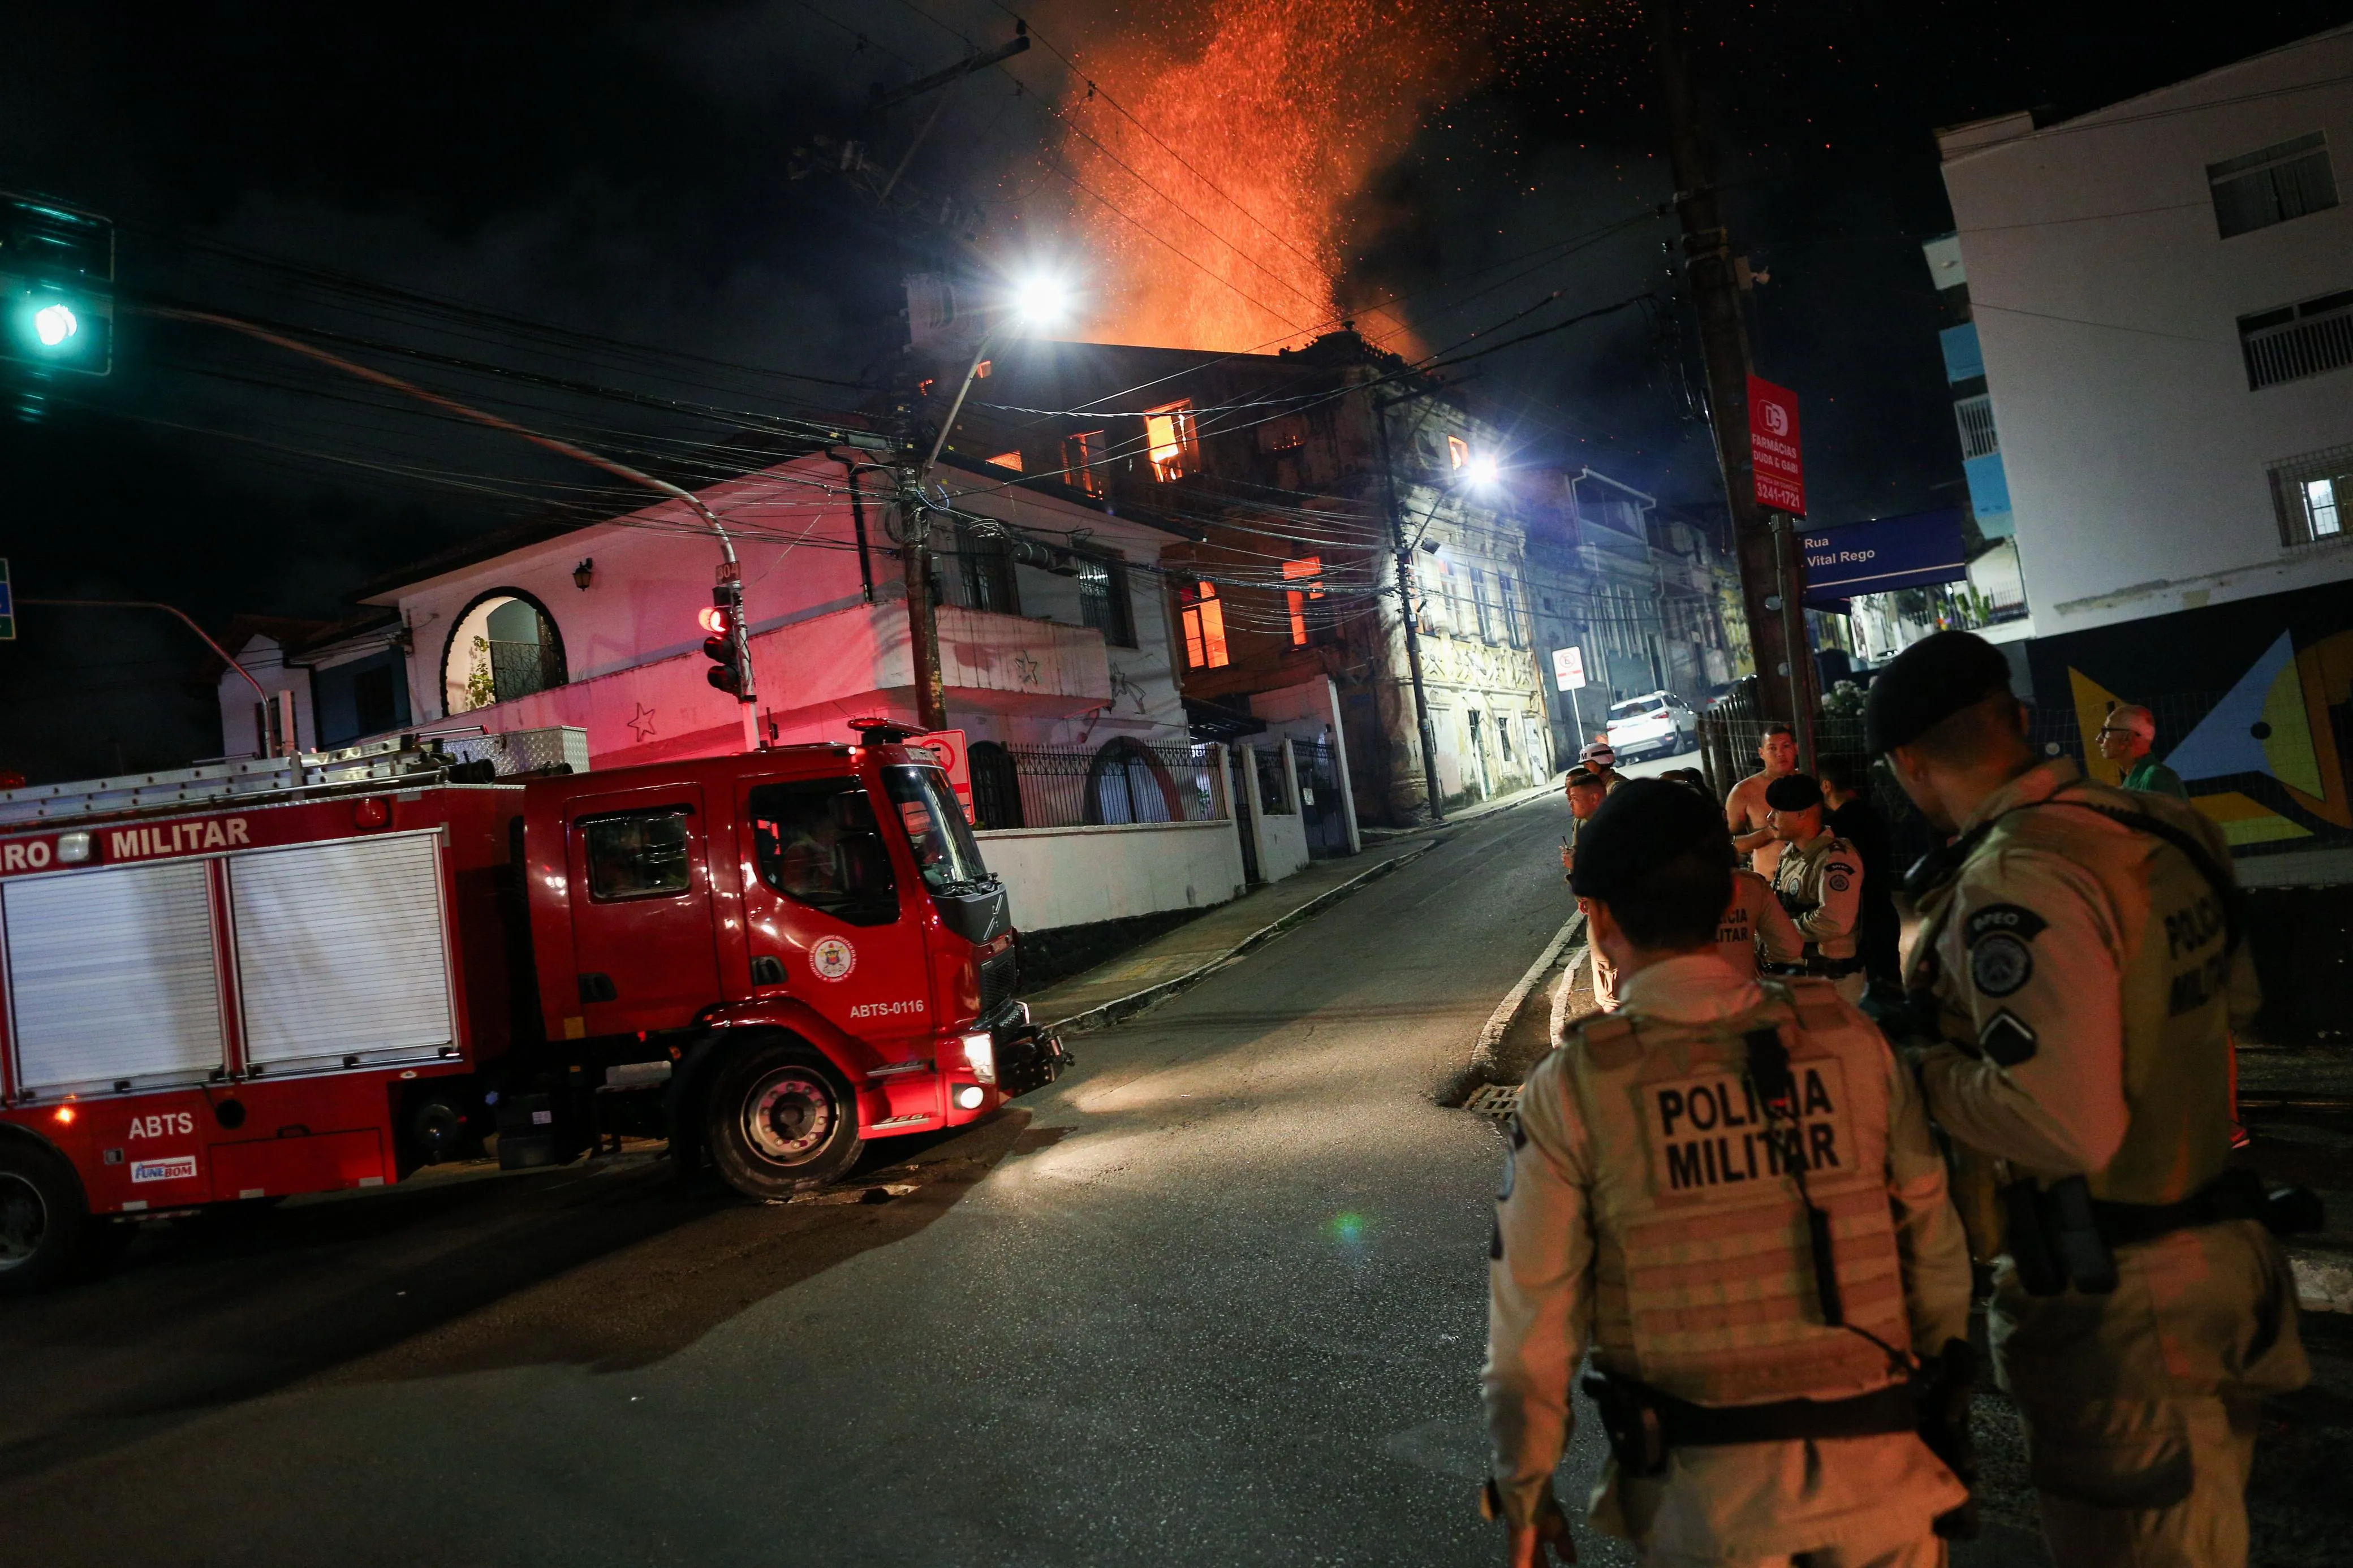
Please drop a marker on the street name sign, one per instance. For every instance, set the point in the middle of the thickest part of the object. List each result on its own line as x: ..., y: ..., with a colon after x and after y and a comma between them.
x: 1883, y: 554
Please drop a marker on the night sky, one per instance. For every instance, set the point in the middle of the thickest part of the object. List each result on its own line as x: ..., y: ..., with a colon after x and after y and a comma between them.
x: 603, y: 193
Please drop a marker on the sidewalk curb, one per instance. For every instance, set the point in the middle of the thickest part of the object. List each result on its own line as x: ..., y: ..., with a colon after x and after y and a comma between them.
x: 1482, y: 1052
x: 1544, y: 791
x: 1127, y: 1006
x: 1480, y: 1070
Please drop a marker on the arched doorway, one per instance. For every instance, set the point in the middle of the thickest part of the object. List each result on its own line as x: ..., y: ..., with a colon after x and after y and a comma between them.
x: 1127, y: 784
x: 505, y: 645
x: 996, y: 785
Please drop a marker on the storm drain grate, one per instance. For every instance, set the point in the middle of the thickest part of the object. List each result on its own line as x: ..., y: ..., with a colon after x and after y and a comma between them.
x: 1495, y: 1100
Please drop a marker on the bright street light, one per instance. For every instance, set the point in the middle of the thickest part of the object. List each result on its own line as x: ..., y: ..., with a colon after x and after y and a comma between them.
x: 1483, y: 470
x: 1041, y: 299
x: 53, y: 324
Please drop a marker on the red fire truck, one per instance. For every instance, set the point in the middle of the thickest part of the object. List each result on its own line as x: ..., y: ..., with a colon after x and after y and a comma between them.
x: 259, y: 979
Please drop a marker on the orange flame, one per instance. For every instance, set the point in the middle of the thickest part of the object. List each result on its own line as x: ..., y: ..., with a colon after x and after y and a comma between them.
x: 1214, y: 193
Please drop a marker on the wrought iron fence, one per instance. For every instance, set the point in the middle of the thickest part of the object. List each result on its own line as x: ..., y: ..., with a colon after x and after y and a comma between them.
x: 1119, y: 782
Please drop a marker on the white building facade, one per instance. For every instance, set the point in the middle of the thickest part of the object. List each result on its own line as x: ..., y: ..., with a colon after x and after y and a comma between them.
x: 2163, y: 298
x: 2162, y: 294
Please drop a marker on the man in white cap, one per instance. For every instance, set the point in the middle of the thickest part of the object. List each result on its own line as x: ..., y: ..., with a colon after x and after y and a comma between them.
x: 2126, y: 737
x: 1600, y: 759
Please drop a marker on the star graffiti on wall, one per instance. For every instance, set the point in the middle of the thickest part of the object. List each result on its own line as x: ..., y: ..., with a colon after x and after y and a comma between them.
x: 1027, y: 666
x: 641, y: 722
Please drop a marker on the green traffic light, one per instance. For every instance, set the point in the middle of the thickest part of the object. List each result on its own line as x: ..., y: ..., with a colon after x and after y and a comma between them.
x: 53, y: 324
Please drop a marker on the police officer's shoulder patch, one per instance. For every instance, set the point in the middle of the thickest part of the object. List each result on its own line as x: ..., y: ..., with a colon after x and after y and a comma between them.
x: 1999, y: 963
x: 2009, y: 920
x: 2007, y: 1040
x: 1836, y: 875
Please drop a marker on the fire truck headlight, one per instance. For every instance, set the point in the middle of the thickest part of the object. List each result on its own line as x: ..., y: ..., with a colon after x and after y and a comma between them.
x: 73, y: 848
x: 980, y: 1050
x: 969, y: 1096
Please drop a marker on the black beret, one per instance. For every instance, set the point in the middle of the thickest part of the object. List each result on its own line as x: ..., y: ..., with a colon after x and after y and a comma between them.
x: 1644, y: 823
x: 1929, y: 682
x: 1794, y: 791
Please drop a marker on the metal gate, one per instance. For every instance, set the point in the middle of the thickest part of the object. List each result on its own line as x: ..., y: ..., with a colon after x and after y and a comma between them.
x: 1321, y: 810
x: 1245, y: 824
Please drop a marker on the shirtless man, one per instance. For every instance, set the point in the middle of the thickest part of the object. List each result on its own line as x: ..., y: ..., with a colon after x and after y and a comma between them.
x: 1745, y: 808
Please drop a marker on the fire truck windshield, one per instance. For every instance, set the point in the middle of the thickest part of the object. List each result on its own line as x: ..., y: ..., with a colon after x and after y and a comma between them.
x: 945, y: 846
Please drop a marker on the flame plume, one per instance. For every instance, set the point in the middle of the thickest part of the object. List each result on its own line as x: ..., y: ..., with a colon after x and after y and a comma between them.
x: 1235, y: 162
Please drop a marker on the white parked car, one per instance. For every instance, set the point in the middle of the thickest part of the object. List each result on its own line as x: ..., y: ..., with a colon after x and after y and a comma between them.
x: 1657, y: 724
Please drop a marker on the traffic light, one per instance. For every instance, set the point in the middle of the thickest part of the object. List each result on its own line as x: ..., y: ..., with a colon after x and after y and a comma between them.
x: 56, y: 287
x: 724, y: 646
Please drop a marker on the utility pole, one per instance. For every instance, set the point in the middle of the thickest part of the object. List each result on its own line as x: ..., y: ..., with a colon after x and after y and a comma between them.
x: 1404, y: 549
x: 1771, y: 566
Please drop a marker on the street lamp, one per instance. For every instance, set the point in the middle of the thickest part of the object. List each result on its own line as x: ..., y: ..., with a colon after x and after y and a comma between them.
x: 1034, y: 299
x: 1483, y: 471
x: 1037, y: 298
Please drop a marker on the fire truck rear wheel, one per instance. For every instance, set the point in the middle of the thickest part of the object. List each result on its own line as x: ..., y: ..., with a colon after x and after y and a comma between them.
x: 44, y: 1222
x: 780, y: 1120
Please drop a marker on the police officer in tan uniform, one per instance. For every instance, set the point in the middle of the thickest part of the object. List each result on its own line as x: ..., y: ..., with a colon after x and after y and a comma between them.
x: 1725, y: 1192
x: 2074, y: 982
x: 1819, y: 879
x: 1755, y: 921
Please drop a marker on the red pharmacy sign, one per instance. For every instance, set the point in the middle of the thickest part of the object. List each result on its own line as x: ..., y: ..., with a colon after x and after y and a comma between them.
x: 1774, y: 454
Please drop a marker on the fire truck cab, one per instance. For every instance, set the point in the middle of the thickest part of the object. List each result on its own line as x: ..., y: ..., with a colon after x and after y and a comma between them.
x: 260, y: 979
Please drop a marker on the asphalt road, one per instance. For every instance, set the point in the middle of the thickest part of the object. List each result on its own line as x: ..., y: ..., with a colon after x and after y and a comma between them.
x: 1216, y: 1298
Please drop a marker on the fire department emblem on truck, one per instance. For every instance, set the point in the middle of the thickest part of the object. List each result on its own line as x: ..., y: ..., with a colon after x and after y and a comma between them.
x: 833, y: 958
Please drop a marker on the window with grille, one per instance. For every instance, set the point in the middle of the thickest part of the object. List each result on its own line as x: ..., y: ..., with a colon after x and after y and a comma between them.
x: 1103, y: 599
x: 1975, y: 415
x: 2314, y: 497
x: 1509, y: 592
x: 2272, y: 186
x: 1480, y: 606
x: 1204, y: 616
x: 984, y: 575
x: 2308, y: 338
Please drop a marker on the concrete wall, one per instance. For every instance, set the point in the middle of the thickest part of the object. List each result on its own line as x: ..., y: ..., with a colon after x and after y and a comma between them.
x: 1076, y: 876
x: 2106, y: 306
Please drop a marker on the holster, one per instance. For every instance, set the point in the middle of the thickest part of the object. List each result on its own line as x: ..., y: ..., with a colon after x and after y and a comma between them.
x: 2053, y: 1239
x: 1632, y: 1421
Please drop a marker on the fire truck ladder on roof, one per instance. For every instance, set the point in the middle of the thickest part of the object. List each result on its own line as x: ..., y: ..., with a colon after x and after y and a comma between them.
x: 408, y: 761
x: 244, y: 780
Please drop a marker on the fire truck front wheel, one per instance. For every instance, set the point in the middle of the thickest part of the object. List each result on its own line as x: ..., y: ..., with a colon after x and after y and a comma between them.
x: 45, y: 1230
x: 780, y: 1120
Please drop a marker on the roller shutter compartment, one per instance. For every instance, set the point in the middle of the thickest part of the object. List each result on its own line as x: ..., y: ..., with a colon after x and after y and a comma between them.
x: 341, y: 951
x: 112, y: 976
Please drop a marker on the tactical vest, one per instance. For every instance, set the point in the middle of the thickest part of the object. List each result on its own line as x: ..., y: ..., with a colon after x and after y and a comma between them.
x: 1736, y: 930
x: 2170, y: 933
x: 1704, y: 1276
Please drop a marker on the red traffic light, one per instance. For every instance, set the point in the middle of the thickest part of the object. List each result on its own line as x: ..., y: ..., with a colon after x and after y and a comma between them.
x: 714, y: 621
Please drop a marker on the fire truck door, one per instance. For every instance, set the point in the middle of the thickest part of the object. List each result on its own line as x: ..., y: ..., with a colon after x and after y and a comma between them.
x: 641, y: 931
x: 823, y: 911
